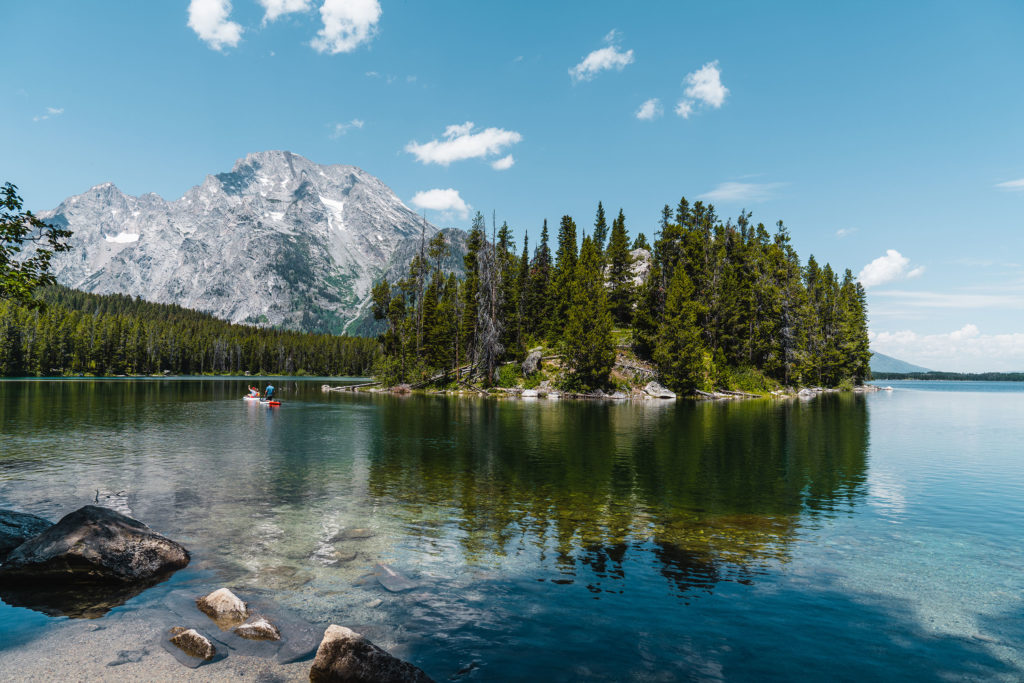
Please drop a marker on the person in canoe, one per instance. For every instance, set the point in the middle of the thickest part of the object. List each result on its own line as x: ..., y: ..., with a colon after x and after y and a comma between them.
x: 268, y: 394
x: 254, y: 392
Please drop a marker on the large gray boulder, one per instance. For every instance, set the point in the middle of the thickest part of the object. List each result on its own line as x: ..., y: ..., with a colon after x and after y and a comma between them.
x: 93, y: 544
x: 345, y: 656
x: 532, y: 363
x: 655, y: 390
x: 18, y: 527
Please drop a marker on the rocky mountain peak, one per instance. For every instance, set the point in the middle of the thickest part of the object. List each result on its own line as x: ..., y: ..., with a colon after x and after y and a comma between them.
x: 277, y: 240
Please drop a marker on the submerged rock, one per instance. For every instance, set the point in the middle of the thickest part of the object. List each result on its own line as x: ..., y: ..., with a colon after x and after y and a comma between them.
x: 225, y: 608
x: 345, y: 655
x: 193, y: 643
x: 258, y: 628
x: 18, y: 527
x: 94, y: 543
x: 391, y: 579
x: 655, y: 390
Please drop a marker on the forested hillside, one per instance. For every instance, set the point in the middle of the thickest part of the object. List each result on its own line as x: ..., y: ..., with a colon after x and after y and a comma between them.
x: 711, y: 304
x: 81, y: 333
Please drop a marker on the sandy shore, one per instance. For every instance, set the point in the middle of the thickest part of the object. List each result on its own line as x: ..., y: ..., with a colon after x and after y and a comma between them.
x: 125, y: 647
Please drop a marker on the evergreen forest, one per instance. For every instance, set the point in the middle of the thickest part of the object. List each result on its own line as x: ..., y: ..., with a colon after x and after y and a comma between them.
x: 75, y: 333
x: 710, y: 304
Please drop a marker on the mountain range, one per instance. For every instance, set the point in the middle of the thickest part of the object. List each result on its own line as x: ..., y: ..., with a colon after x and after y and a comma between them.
x: 883, y: 363
x: 279, y: 240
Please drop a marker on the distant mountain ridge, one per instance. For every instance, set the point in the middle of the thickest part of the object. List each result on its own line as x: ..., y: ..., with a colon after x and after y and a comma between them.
x: 883, y: 363
x: 278, y: 240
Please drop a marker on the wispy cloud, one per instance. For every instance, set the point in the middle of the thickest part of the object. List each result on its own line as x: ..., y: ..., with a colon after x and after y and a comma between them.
x: 1014, y: 185
x: 446, y: 201
x: 952, y: 300
x: 684, y: 108
x: 273, y: 9
x: 649, y: 110
x: 603, y: 59
x: 741, y: 192
x: 504, y: 163
x: 459, y: 142
x: 845, y: 232
x: 963, y: 350
x: 888, y: 268
x: 50, y: 113
x: 340, y: 129
x: 347, y: 25
x: 209, y: 19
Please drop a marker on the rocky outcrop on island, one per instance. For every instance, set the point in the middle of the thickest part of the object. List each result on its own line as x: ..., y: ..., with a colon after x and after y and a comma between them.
x: 18, y: 527
x: 346, y: 656
x: 655, y: 390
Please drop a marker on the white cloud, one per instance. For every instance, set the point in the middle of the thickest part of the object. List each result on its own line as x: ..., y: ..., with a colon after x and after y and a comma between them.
x: 892, y: 266
x: 649, y: 110
x: 684, y: 108
x: 446, y: 201
x: 459, y: 143
x: 278, y: 8
x: 209, y: 19
x: 50, y: 112
x: 347, y: 25
x: 964, y: 350
x: 738, y: 192
x: 705, y: 85
x: 603, y: 59
x: 504, y: 163
x: 342, y: 128
x: 845, y: 232
x: 1016, y: 185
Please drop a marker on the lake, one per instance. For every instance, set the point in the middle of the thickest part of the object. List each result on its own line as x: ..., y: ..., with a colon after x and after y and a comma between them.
x: 847, y: 537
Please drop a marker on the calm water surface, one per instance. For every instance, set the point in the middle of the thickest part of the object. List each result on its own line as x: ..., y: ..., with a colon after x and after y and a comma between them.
x: 847, y: 537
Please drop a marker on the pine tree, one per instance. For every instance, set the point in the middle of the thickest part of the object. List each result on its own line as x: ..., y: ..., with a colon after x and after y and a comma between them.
x: 540, y: 302
x: 565, y: 272
x: 600, y: 229
x: 620, y: 276
x: 641, y: 242
x: 475, y: 243
x: 679, y: 348
x: 587, y: 340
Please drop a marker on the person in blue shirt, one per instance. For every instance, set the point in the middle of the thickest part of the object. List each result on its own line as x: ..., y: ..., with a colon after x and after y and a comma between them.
x: 268, y: 394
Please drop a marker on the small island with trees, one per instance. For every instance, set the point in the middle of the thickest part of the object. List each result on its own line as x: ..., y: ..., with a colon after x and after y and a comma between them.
x: 711, y: 306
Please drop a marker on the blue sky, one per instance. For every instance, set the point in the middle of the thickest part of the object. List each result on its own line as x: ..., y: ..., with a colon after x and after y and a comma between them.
x: 888, y: 136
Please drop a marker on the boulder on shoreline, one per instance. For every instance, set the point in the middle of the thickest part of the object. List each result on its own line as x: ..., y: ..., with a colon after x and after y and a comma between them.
x: 655, y: 390
x: 18, y: 527
x: 92, y: 544
x: 345, y: 655
x: 225, y: 608
x: 532, y: 363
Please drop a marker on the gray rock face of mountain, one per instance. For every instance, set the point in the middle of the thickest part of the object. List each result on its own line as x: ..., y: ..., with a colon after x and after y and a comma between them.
x: 279, y: 240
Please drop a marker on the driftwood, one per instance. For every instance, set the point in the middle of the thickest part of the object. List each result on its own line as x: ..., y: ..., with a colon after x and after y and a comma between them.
x: 347, y: 387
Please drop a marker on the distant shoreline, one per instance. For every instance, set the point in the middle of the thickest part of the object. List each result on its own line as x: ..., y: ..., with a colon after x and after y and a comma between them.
x: 950, y: 376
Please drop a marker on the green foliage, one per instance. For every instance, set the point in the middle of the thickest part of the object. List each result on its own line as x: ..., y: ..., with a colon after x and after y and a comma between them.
x: 747, y: 379
x: 846, y: 384
x: 80, y: 333
x: 679, y: 351
x: 509, y: 375
x: 587, y: 341
x: 26, y: 246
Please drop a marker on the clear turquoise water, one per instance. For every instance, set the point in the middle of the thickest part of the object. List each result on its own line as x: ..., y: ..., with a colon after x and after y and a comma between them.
x: 847, y: 537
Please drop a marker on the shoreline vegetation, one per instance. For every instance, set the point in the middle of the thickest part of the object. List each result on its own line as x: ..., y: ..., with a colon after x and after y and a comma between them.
x: 713, y: 308
x: 936, y: 375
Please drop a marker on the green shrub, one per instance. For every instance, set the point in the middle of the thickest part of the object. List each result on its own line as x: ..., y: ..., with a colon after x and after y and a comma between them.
x: 509, y: 375
x: 846, y: 384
